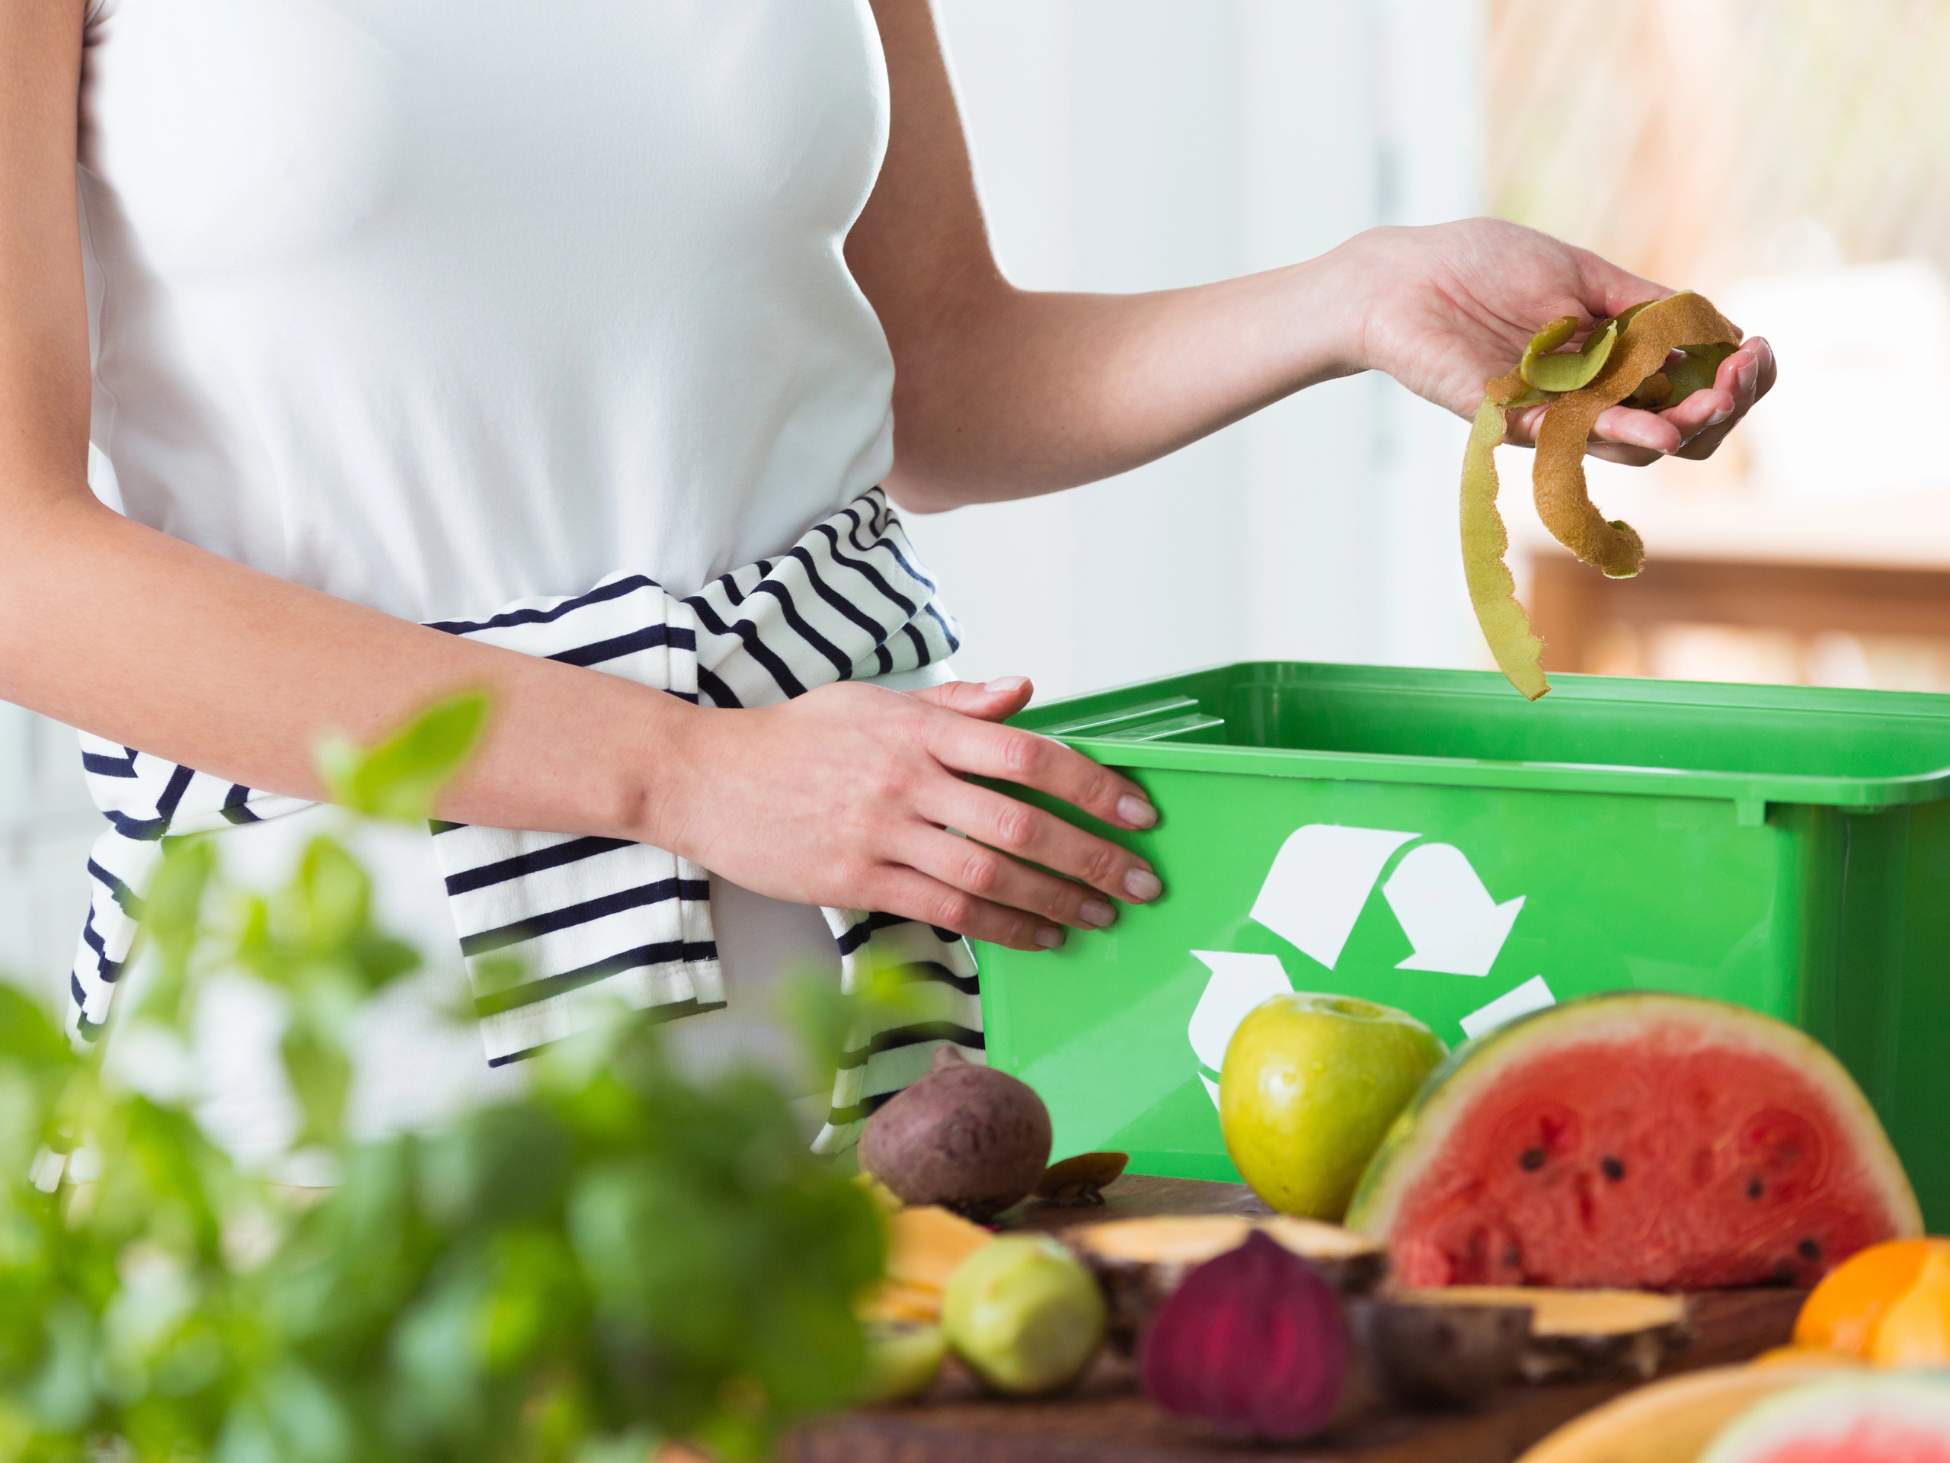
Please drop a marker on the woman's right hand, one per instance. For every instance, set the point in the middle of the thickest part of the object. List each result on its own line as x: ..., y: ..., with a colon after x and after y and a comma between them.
x: 844, y: 796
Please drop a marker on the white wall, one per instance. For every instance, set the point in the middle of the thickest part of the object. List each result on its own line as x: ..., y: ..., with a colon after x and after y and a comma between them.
x: 1140, y: 144
x: 1124, y: 145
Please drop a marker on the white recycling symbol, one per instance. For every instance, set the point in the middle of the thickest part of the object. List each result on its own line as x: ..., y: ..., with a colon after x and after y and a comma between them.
x: 1314, y: 893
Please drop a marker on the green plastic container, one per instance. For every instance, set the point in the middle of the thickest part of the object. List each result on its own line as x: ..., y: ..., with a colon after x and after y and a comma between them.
x: 1430, y: 840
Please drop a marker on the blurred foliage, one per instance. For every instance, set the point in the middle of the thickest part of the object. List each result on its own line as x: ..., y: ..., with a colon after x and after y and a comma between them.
x: 623, y: 1254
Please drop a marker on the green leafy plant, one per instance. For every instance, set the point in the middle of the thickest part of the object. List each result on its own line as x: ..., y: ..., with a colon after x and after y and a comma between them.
x: 622, y: 1255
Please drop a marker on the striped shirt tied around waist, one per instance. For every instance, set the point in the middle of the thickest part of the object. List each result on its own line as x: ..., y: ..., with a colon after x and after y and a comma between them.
x: 598, y: 921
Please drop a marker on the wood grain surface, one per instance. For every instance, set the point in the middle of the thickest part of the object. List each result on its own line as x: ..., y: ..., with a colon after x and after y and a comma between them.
x: 1106, y: 1418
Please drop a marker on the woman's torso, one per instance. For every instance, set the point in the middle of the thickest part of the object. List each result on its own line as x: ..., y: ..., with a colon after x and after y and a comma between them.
x: 433, y: 304
x: 436, y: 304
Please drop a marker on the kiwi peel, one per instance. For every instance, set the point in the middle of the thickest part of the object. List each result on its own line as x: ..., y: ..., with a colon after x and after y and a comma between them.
x: 1079, y: 1182
x: 1546, y: 369
x: 1518, y: 649
x: 1629, y: 358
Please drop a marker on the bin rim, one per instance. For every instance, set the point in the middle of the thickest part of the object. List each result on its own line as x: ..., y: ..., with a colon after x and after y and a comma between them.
x: 1066, y: 718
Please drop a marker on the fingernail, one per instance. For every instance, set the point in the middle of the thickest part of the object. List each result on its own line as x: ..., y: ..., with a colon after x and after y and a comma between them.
x: 1136, y: 811
x: 1719, y: 416
x: 1749, y: 377
x: 1142, y: 884
x: 1096, y: 912
x: 1049, y: 936
x: 1006, y: 685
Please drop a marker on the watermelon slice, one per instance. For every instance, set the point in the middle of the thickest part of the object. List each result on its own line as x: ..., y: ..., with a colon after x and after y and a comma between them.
x: 1674, y: 1420
x: 1867, y: 1419
x: 1642, y: 1140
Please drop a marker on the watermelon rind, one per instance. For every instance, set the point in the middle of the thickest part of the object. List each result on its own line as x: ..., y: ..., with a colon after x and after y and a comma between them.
x: 1670, y: 1421
x: 1912, y: 1409
x: 1474, y: 1068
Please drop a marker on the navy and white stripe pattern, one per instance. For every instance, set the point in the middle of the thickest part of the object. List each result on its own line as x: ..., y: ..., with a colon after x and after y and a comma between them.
x: 598, y: 921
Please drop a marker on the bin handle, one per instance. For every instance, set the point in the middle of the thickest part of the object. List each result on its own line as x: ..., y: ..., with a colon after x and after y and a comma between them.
x: 1168, y: 719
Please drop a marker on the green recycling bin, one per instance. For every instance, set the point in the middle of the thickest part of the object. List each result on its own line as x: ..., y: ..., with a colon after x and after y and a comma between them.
x: 1430, y: 840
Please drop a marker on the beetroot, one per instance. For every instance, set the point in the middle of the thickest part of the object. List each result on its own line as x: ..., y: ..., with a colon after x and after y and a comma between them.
x: 1252, y: 1341
x: 965, y: 1136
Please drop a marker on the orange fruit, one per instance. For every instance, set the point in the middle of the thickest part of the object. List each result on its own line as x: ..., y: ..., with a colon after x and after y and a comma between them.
x: 1915, y: 1329
x: 1842, y: 1312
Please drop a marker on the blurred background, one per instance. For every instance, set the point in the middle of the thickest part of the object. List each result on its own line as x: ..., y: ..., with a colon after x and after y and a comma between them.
x: 1790, y: 158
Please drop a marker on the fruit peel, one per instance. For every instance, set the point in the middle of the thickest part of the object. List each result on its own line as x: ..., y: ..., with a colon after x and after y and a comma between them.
x: 1546, y: 369
x: 1628, y: 358
x: 1563, y: 498
x: 1078, y: 1182
x: 1516, y: 646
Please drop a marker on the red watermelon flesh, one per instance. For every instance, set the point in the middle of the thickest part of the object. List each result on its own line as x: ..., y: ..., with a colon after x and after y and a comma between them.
x: 1866, y: 1441
x: 1644, y: 1141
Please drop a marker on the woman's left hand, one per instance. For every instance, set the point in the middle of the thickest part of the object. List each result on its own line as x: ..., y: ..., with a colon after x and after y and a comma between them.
x: 1446, y: 307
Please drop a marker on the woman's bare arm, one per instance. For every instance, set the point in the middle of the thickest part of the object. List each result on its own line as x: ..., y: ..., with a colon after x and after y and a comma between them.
x: 1002, y: 392
x: 837, y: 798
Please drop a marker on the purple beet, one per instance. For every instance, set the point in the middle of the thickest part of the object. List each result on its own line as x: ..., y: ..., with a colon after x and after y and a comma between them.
x: 965, y: 1136
x: 1252, y: 1341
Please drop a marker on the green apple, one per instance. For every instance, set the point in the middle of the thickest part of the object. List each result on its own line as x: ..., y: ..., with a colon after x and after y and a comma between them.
x: 1024, y: 1314
x: 1309, y: 1086
x: 903, y: 1358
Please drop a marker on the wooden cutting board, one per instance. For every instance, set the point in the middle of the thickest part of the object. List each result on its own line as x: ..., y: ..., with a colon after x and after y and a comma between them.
x: 1106, y: 1418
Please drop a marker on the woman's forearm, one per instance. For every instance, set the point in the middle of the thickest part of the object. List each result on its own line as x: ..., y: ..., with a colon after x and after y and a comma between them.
x: 110, y: 625
x: 837, y: 797
x: 1025, y: 392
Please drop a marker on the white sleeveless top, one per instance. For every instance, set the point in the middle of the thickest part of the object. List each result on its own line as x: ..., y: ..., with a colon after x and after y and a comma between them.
x: 431, y: 305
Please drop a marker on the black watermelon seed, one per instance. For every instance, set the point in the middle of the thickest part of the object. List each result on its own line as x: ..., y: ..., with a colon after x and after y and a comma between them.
x: 1783, y: 1275
x: 1612, y: 1168
x: 1808, y: 1250
x: 1531, y: 1159
x: 1512, y: 1257
x: 1755, y: 1188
